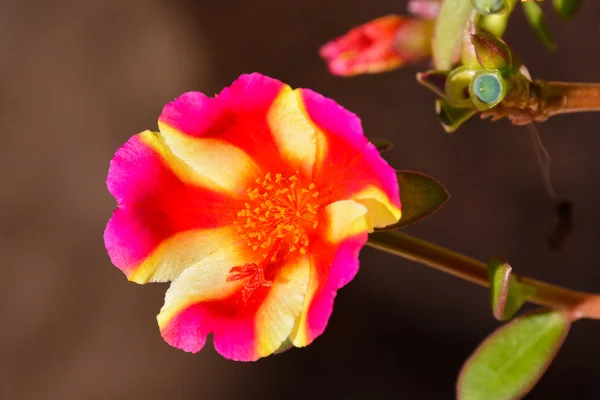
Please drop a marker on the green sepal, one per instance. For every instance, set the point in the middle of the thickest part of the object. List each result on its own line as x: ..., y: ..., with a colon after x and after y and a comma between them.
x: 434, y: 80
x: 537, y: 21
x: 421, y: 196
x: 512, y: 359
x: 452, y: 117
x: 285, y: 346
x: 382, y: 145
x: 506, y: 292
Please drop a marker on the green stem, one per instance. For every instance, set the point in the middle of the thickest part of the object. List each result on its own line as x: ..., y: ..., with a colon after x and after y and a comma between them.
x: 577, y: 304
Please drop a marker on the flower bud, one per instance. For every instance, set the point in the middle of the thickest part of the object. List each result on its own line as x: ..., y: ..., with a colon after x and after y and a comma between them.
x: 491, y: 52
x: 380, y: 45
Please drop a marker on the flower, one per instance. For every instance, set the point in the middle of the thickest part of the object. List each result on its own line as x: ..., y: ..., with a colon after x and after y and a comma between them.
x: 427, y: 9
x: 255, y: 205
x: 380, y: 45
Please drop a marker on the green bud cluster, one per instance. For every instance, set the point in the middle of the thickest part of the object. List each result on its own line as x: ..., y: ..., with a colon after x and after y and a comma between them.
x: 482, y: 82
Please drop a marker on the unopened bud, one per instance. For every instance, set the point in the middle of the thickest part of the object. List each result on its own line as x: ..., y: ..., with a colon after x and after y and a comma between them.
x: 491, y: 52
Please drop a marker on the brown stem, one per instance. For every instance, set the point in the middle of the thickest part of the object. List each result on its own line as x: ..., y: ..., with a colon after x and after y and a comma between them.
x: 565, y: 98
x: 577, y: 304
x: 542, y: 100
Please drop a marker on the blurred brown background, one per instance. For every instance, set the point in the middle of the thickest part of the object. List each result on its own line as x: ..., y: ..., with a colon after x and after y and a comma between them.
x: 77, y: 78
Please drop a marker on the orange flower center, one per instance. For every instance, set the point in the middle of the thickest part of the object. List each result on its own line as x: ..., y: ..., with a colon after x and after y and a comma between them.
x: 276, y: 221
x: 280, y: 210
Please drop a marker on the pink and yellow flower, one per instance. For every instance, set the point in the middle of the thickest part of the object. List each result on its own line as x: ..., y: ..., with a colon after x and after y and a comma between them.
x: 380, y: 45
x: 255, y: 205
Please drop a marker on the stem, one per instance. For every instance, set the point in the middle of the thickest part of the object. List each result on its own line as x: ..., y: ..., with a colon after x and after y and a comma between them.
x: 576, y: 304
x: 564, y: 98
x: 543, y: 100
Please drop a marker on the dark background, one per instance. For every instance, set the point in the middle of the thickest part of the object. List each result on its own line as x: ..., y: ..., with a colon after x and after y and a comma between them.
x: 77, y: 78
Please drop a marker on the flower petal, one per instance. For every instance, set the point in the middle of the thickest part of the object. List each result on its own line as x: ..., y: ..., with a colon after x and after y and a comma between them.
x: 201, y: 301
x: 180, y: 251
x: 184, y: 320
x: 334, y: 263
x: 295, y: 136
x: 351, y: 167
x: 277, y: 315
x: 227, y: 165
x: 160, y: 197
x: 257, y: 117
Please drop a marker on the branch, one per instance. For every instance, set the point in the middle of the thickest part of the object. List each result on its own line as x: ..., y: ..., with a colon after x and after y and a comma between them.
x: 576, y: 304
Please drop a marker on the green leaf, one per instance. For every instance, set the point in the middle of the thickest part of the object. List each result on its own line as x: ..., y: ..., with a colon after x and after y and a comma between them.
x: 382, y: 145
x: 449, y: 27
x: 507, y: 293
x: 537, y: 21
x: 510, y: 362
x: 566, y: 9
x: 421, y: 196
